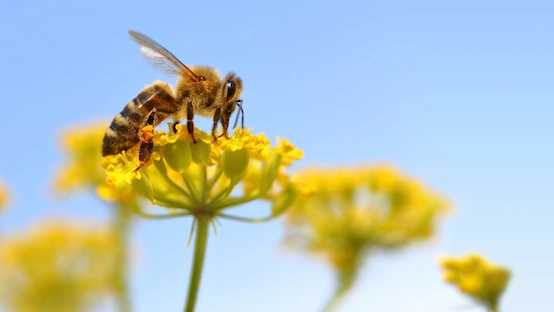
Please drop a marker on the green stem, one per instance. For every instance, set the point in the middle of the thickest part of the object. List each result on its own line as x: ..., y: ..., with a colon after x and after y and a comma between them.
x: 202, y: 226
x: 160, y: 216
x: 222, y: 194
x: 213, y: 180
x: 334, y: 302
x: 173, y: 204
x: 122, y: 222
x: 191, y: 188
x: 163, y: 173
x: 249, y: 220
x: 204, y: 183
x: 493, y: 307
x: 234, y: 201
x: 346, y: 280
x: 177, y: 188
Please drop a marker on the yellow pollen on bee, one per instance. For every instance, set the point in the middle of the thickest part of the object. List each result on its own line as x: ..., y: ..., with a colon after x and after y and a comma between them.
x: 147, y: 133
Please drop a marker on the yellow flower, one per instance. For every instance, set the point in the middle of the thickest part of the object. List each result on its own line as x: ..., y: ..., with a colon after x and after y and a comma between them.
x: 344, y: 213
x: 4, y: 196
x: 374, y: 205
x: 203, y: 177
x: 57, y: 266
x: 290, y: 152
x: 83, y: 165
x: 476, y: 277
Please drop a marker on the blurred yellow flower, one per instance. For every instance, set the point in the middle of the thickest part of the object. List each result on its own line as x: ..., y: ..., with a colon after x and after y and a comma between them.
x: 83, y: 165
x: 373, y: 207
x: 476, y: 277
x: 344, y: 213
x: 57, y: 266
x: 4, y: 196
x: 203, y: 177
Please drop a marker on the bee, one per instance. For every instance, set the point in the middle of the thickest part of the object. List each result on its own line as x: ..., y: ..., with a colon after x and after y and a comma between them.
x: 199, y: 90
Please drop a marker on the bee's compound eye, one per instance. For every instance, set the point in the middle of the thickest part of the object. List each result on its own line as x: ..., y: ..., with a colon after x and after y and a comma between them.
x: 230, y: 89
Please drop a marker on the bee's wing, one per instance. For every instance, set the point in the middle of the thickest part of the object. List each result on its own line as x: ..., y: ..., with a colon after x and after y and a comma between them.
x: 160, y: 57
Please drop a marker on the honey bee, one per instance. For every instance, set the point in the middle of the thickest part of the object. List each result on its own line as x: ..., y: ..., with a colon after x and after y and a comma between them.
x: 199, y: 90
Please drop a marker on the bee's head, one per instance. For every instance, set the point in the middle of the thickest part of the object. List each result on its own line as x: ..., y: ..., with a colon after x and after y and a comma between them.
x: 232, y: 88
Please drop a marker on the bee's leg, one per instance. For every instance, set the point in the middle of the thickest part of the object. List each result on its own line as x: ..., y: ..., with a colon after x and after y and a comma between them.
x: 225, y: 123
x: 241, y: 113
x: 174, y: 126
x: 145, y: 153
x: 146, y: 136
x: 190, y: 123
x: 217, y: 115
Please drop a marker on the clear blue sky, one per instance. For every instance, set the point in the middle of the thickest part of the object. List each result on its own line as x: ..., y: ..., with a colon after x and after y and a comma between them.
x: 459, y: 94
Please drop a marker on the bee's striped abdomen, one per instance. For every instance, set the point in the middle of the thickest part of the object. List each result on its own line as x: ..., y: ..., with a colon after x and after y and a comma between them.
x: 123, y: 131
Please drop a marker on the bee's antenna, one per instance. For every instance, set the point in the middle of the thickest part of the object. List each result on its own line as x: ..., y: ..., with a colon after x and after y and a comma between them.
x: 240, y: 112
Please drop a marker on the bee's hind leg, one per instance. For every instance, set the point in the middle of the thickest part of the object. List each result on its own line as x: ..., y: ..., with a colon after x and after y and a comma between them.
x: 146, y: 136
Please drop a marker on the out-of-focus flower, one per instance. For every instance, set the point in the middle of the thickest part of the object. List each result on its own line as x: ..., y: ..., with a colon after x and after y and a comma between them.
x: 83, y: 165
x: 344, y: 213
x: 83, y: 171
x: 57, y: 266
x: 205, y: 178
x: 4, y: 196
x: 478, y: 278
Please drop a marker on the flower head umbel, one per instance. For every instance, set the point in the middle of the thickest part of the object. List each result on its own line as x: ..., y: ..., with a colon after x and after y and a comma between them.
x: 202, y: 179
x: 344, y: 213
x: 478, y: 278
x: 205, y: 177
x: 57, y: 266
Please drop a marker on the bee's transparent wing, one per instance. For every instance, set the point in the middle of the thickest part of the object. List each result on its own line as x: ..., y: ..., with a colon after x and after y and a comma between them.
x: 159, y: 61
x: 160, y: 57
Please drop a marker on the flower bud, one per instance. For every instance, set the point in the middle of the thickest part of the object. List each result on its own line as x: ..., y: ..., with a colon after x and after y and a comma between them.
x: 283, y: 201
x: 270, y: 171
x: 234, y: 163
x: 200, y: 152
x: 143, y: 187
x: 178, y: 155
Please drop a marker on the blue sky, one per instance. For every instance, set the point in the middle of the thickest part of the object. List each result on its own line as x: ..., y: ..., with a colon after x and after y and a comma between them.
x: 457, y: 94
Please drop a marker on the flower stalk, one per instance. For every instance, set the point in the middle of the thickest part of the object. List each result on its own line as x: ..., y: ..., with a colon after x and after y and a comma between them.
x: 122, y: 227
x: 202, y: 224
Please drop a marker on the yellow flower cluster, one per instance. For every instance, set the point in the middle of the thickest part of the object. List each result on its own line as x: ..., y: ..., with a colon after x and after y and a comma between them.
x: 478, y: 278
x: 203, y: 177
x: 4, y: 196
x: 83, y: 166
x: 56, y: 266
x: 343, y: 213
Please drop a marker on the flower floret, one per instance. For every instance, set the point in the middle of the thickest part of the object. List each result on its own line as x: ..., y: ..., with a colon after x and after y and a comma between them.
x: 122, y: 167
x: 477, y: 278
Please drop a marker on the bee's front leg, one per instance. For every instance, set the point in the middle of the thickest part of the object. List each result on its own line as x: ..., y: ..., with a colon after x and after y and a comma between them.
x: 146, y: 136
x: 225, y: 123
x: 241, y: 113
